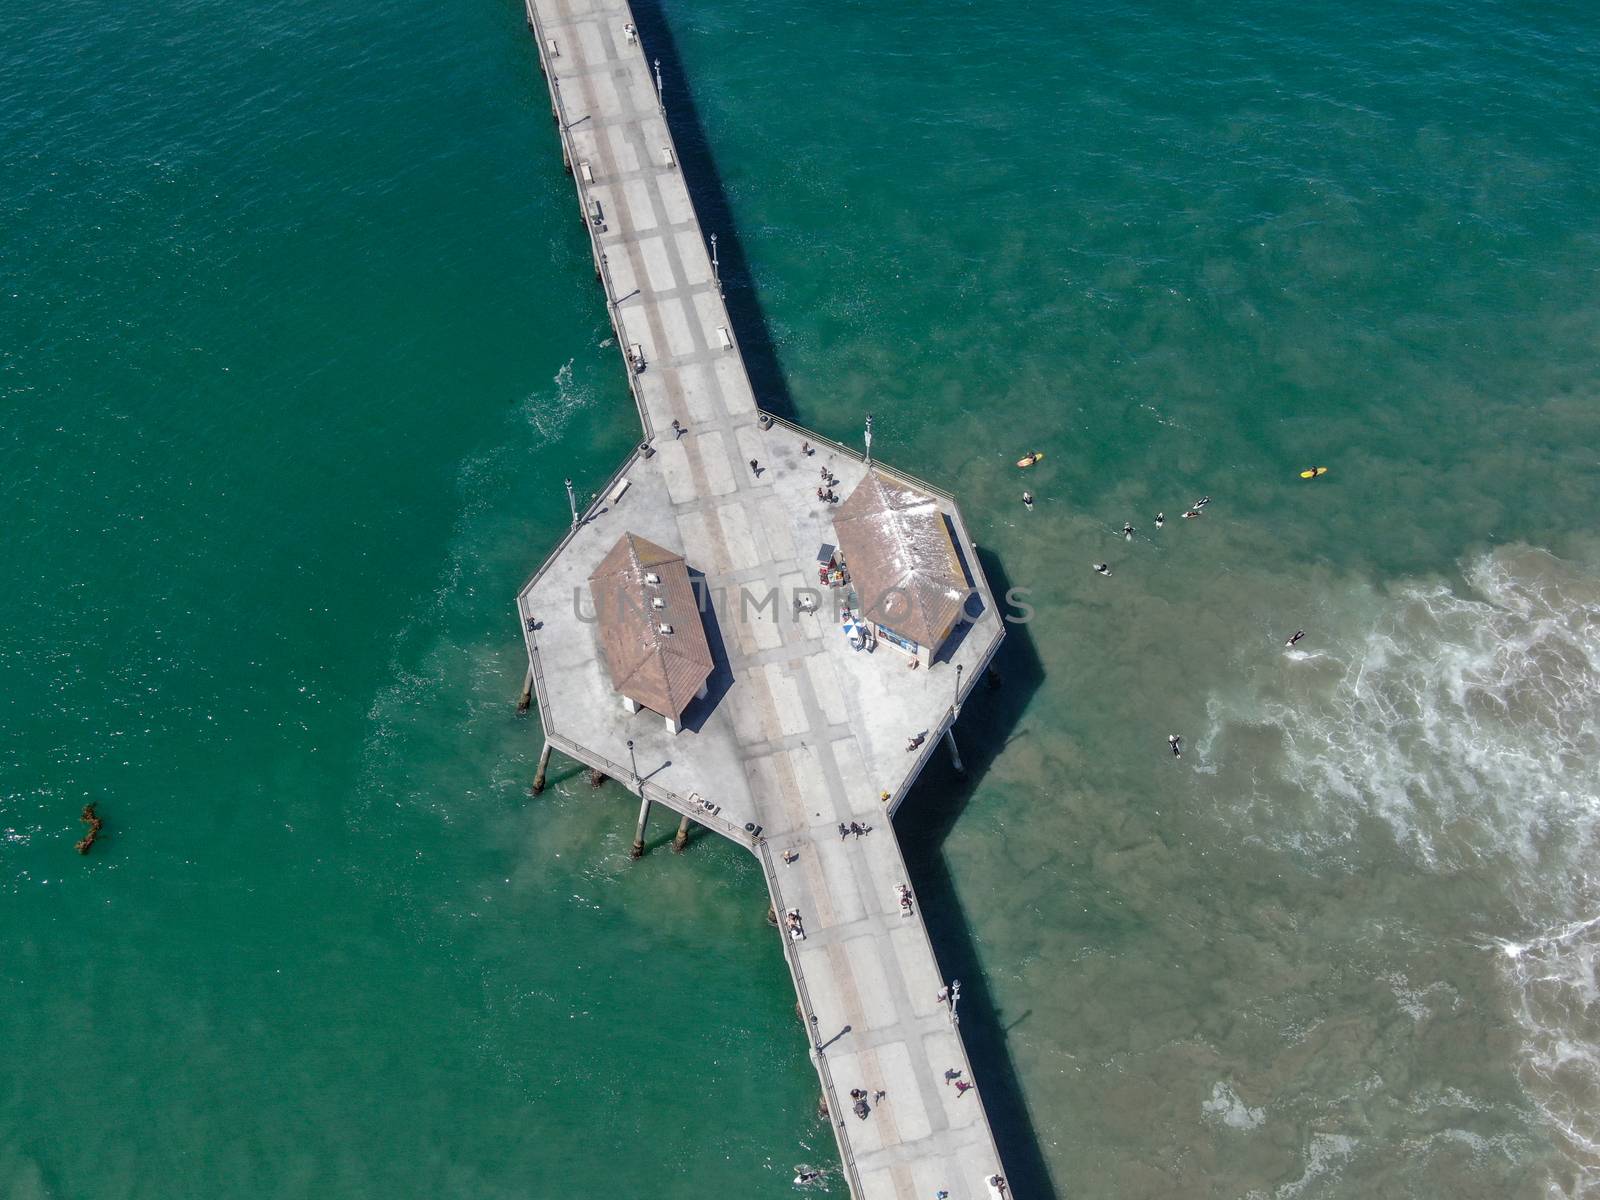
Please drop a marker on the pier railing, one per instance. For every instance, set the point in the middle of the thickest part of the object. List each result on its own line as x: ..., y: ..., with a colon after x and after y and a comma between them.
x: 602, y: 267
x: 813, y: 1030
x: 601, y: 264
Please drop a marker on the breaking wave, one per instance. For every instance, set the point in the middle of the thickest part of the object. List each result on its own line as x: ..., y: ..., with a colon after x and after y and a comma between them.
x: 1466, y: 721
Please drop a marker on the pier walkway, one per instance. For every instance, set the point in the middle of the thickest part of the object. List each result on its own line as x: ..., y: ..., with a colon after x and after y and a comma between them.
x: 798, y: 732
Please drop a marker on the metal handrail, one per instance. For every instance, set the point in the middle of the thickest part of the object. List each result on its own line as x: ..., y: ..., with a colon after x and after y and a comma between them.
x: 601, y: 262
x: 598, y: 252
x: 820, y: 1056
x: 656, y: 792
x: 589, y: 514
x: 860, y: 456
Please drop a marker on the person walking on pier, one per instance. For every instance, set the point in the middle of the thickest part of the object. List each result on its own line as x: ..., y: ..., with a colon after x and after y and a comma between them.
x: 677, y: 429
x: 755, y: 468
x: 844, y: 831
x: 963, y: 1087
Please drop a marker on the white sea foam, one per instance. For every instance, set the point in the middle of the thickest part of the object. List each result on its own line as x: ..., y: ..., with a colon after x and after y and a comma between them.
x: 549, y: 413
x: 1467, y: 721
x: 1325, y: 1153
x: 1226, y: 1106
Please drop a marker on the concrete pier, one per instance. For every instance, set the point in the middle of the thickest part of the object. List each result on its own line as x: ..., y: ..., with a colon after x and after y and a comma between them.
x: 796, y: 734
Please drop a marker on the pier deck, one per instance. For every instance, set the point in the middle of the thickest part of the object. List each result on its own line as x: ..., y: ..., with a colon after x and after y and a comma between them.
x: 798, y: 732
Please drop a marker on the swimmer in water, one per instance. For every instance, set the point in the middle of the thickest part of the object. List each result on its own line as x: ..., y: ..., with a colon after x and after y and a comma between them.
x: 1102, y: 568
x: 1127, y: 532
x: 1027, y: 498
x: 1298, y: 634
x: 1176, y: 743
x: 1161, y: 519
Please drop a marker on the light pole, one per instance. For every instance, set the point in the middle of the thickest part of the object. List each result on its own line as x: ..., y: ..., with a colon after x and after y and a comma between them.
x: 955, y: 998
x: 572, y: 503
x: 869, y: 439
x: 955, y: 709
x: 716, y: 270
x: 633, y: 762
x: 660, y: 103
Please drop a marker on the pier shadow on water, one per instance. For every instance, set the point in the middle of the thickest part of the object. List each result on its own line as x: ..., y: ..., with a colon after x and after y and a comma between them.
x: 989, y: 719
x: 993, y: 714
x: 716, y: 215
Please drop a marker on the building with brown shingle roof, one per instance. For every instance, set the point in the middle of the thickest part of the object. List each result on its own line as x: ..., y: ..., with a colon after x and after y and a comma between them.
x: 903, y: 565
x: 651, y: 636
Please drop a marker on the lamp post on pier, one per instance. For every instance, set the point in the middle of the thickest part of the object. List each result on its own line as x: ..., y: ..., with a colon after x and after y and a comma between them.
x: 716, y: 270
x: 869, y: 439
x: 572, y: 503
x: 955, y: 709
x: 660, y: 102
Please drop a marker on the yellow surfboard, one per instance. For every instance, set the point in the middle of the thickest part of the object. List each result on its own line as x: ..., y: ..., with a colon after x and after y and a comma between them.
x: 1027, y: 460
x: 1313, y: 472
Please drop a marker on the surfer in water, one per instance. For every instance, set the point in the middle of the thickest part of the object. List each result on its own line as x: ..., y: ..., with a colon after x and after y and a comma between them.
x: 1298, y: 634
x: 1027, y: 499
x: 1176, y: 743
x: 1193, y: 512
x: 1127, y: 532
x: 1102, y: 568
x: 1161, y: 519
x: 1202, y: 502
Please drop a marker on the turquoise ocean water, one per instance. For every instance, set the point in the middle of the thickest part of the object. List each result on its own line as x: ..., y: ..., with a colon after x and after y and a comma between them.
x: 298, y: 337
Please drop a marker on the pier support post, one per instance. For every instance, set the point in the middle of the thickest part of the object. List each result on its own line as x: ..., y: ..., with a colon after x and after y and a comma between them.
x: 525, y: 701
x: 955, y: 754
x: 544, y: 765
x: 638, y: 831
x: 681, y: 838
